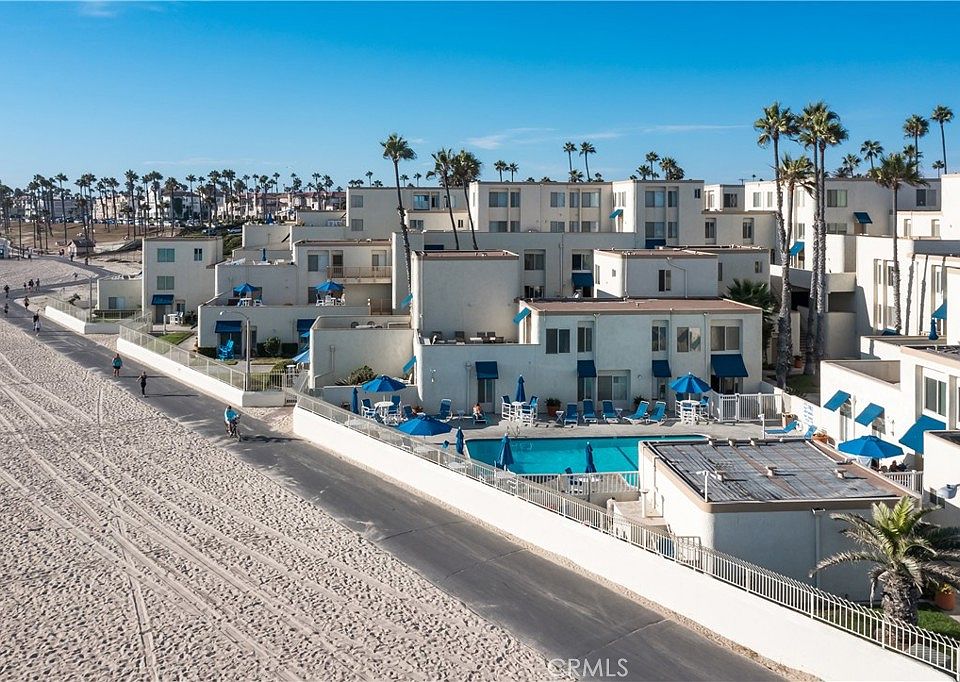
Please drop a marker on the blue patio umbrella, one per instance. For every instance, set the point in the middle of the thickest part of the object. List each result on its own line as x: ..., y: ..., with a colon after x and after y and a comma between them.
x: 355, y: 401
x: 460, y: 448
x: 423, y: 425
x: 505, y: 458
x: 383, y: 384
x: 933, y: 331
x: 591, y: 466
x: 302, y: 358
x: 245, y: 288
x: 690, y: 384
x: 870, y: 446
x: 521, y: 396
x: 329, y: 287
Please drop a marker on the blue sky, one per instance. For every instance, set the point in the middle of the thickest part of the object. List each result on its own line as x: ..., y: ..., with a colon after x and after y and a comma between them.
x: 282, y: 87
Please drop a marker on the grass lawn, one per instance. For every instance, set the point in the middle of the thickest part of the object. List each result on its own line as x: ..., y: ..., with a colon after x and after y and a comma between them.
x: 935, y: 620
x: 802, y: 384
x: 176, y: 338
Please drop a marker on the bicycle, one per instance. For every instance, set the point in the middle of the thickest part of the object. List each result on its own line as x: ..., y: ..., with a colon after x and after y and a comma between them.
x: 233, y: 430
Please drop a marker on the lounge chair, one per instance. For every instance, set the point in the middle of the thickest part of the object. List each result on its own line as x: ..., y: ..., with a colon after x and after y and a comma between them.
x: 570, y: 416
x: 609, y: 412
x: 812, y: 429
x: 659, y: 413
x: 225, y: 352
x: 481, y: 419
x: 792, y: 426
x: 445, y: 414
x: 640, y: 414
x: 589, y: 412
x: 408, y: 413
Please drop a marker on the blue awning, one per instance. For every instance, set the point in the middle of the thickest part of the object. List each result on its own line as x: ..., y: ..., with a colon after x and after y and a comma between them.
x: 409, y: 366
x: 162, y: 299
x: 889, y: 332
x: 913, y: 438
x: 862, y: 217
x: 661, y: 369
x: 582, y: 279
x: 616, y: 213
x: 838, y: 399
x: 433, y: 247
x: 728, y: 365
x: 521, y: 316
x: 941, y: 312
x: 796, y: 248
x: 304, y: 324
x: 407, y: 300
x: 586, y: 369
x: 487, y: 370
x: 228, y: 326
x: 870, y: 412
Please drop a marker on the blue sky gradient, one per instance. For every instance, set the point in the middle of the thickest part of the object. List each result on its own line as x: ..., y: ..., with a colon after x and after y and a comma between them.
x: 282, y: 87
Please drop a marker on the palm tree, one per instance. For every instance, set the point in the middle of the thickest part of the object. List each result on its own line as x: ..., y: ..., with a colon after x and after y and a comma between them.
x: 131, y: 182
x: 907, y: 554
x: 170, y: 186
x: 848, y: 167
x: 916, y: 127
x: 942, y: 115
x: 671, y: 170
x: 757, y: 294
x: 513, y: 168
x: 500, y: 167
x: 938, y: 166
x: 569, y: 148
x: 652, y: 158
x: 443, y: 160
x: 894, y: 171
x: 466, y: 169
x: 417, y: 176
x: 576, y: 176
x: 645, y: 171
x: 61, y: 178
x: 871, y: 149
x: 369, y: 175
x: 586, y: 149
x: 405, y: 179
x: 397, y: 149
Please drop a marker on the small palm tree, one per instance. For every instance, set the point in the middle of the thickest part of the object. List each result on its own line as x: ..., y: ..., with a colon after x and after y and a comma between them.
x: 938, y: 166
x: 871, y: 149
x: 908, y: 554
x: 652, y: 158
x: 500, y: 167
x: 397, y: 149
x: 645, y: 171
x: 586, y: 149
x: 513, y: 168
x: 576, y: 176
x: 466, y: 169
x: 569, y: 148
x: 757, y: 294
x: 916, y: 127
x: 848, y: 167
x: 417, y: 176
x: 942, y: 115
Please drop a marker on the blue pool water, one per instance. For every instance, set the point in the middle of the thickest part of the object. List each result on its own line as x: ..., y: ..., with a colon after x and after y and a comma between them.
x: 555, y: 455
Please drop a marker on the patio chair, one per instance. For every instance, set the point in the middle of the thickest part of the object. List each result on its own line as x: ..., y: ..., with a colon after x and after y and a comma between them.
x: 570, y: 416
x: 659, y: 413
x: 589, y: 412
x: 445, y: 413
x: 506, y: 409
x: 225, y: 352
x: 792, y: 426
x: 460, y: 337
x: 408, y: 413
x: 533, y: 406
x: 609, y: 413
x: 393, y: 415
x: 640, y: 414
x: 481, y: 419
x: 808, y: 434
x: 366, y: 408
x: 395, y: 399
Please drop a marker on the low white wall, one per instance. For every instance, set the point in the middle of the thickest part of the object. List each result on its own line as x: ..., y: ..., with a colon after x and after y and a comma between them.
x: 779, y: 634
x: 192, y: 377
x: 79, y: 326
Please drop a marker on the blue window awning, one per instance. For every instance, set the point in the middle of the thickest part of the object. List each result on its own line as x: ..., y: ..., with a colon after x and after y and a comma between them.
x: 407, y: 300
x: 582, y: 279
x: 889, y: 332
x: 862, y: 217
x: 586, y: 368
x: 838, y: 399
x: 796, y: 248
x: 616, y: 213
x: 661, y: 369
x: 728, y: 365
x: 162, y: 299
x: 304, y: 324
x: 869, y: 413
x: 228, y: 326
x: 487, y: 370
x: 521, y: 316
x: 941, y: 312
x: 409, y: 366
x: 913, y: 438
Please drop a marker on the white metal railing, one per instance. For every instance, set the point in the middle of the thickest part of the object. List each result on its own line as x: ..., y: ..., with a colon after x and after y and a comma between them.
x: 744, y: 407
x: 82, y: 314
x: 934, y: 649
x: 584, y: 485
x: 911, y: 480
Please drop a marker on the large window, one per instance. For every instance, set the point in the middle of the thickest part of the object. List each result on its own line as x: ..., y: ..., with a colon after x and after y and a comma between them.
x: 748, y: 228
x: 658, y: 336
x: 836, y: 198
x: 574, y: 199
x: 534, y: 260
x: 558, y: 341
x: 313, y: 262
x: 164, y: 282
x: 588, y: 226
x: 935, y: 396
x: 590, y: 200
x: 653, y: 198
x: 416, y: 224
x: 585, y: 388
x: 556, y: 226
x: 724, y: 338
x: 421, y: 202
x: 514, y: 225
x: 498, y: 225
x: 836, y: 228
x: 655, y: 230
x: 688, y: 339
x: 166, y: 255
x: 356, y: 201
x: 514, y: 199
x: 756, y: 199
x: 663, y: 280
x: 729, y: 200
x: 581, y: 261
x: 613, y: 386
x: 198, y: 254
x: 673, y: 198
x: 497, y: 200
x: 356, y: 224
x: 926, y: 197
x: 558, y: 199
x: 710, y: 229
x: 585, y: 337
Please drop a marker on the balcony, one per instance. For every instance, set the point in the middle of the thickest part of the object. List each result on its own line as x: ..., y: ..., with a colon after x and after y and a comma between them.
x: 365, y: 274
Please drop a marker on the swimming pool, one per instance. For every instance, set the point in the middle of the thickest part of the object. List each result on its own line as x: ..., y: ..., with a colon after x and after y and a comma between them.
x: 555, y: 455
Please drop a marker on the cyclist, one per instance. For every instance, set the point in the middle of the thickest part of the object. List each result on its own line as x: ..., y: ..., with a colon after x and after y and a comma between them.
x: 230, y: 419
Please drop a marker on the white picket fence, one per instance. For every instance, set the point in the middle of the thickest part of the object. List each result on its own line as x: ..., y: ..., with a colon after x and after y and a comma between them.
x: 744, y: 407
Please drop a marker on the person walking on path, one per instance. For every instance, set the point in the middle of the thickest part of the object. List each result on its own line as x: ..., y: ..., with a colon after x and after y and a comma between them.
x: 26, y: 302
x: 36, y: 323
x: 143, y: 383
x: 117, y: 364
x: 6, y: 291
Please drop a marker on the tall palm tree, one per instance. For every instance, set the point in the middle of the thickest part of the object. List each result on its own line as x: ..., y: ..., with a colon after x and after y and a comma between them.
x: 397, y: 149
x: 131, y: 182
x: 466, y: 169
x: 652, y: 159
x: 671, y: 170
x: 500, y: 166
x: 586, y: 149
x: 871, y: 149
x: 645, y: 171
x: 170, y: 186
x: 894, y: 171
x: 442, y: 170
x: 916, y: 127
x: 907, y: 554
x: 513, y: 168
x: 832, y: 134
x: 942, y: 115
x: 369, y: 175
x: 61, y: 178
x: 405, y: 179
x: 569, y: 148
x: 417, y: 176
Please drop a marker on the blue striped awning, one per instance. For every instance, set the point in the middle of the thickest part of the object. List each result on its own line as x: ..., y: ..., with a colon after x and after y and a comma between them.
x: 862, y: 217
x: 869, y: 413
x: 661, y: 369
x: 913, y: 438
x: 409, y: 366
x: 304, y: 324
x: 228, y: 326
x: 586, y: 369
x: 407, y: 300
x: 838, y: 399
x: 487, y: 370
x: 796, y: 248
x: 582, y: 280
x: 521, y: 316
x: 616, y: 213
x: 941, y: 312
x: 162, y: 299
x: 728, y: 365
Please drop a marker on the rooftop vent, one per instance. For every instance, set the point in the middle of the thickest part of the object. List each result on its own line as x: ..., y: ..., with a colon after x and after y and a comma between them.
x: 840, y: 473
x: 732, y: 442
x: 721, y: 475
x: 771, y: 471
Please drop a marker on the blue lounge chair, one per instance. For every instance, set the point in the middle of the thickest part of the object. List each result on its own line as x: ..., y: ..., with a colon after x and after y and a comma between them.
x: 659, y: 413
x: 481, y: 419
x: 225, y: 352
x: 810, y: 431
x: 445, y: 413
x: 609, y: 413
x: 570, y: 416
x: 366, y: 408
x: 640, y: 415
x: 792, y: 426
x: 589, y: 412
x: 408, y: 413
x: 392, y: 416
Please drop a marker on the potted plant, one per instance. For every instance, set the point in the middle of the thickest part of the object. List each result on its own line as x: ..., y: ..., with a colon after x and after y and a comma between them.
x: 553, y: 404
x: 946, y: 598
x: 798, y: 362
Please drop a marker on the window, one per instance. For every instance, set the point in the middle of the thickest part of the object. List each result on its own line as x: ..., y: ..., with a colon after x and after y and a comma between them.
x: 696, y: 194
x: 836, y: 228
x: 534, y: 260
x: 673, y: 231
x: 801, y: 231
x: 654, y: 230
x: 663, y: 280
x: 613, y: 386
x: 724, y: 337
x: 498, y: 225
x: 729, y: 200
x: 485, y: 391
x: 757, y: 267
x: 198, y: 254
x: 935, y: 227
x: 574, y: 199
x: 534, y: 291
x: 166, y: 255
x: 769, y: 199
x: 710, y: 200
x: 497, y: 200
x: 653, y: 198
x: 416, y: 225
x: 585, y: 386
x: 688, y: 339
x: 356, y: 224
x: 514, y: 199
x: 756, y: 199
x: 590, y: 199
x: 356, y: 201
x: 421, y: 202
x: 558, y: 199
x: 514, y: 225
x: 588, y: 226
x: 907, y: 226
x: 926, y: 197
x: 935, y: 396
x: 836, y: 198
x: 581, y: 261
x: 748, y: 229
x: 710, y: 229
x: 164, y: 282
x: 585, y: 337
x: 673, y: 198
x: 575, y: 225
x: 459, y: 223
x: 556, y: 226
x: 658, y: 336
x: 313, y: 262
x: 558, y: 341
x: 619, y: 198
x: 719, y: 272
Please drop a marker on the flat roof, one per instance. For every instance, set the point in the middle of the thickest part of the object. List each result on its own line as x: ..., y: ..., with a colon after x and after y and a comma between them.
x: 941, y: 353
x: 709, y: 248
x: 467, y: 255
x: 803, y: 472
x: 337, y: 242
x: 199, y: 237
x: 578, y: 306
x: 655, y: 253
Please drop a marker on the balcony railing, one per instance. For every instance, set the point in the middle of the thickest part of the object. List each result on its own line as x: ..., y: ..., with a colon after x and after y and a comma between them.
x: 359, y: 272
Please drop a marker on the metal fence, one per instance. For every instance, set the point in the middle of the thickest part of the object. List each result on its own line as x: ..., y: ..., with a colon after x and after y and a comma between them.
x: 87, y: 315
x: 911, y: 480
x: 934, y: 649
x: 744, y: 407
x: 585, y: 485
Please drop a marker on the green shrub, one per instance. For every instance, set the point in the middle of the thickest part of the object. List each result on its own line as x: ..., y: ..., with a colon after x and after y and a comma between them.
x: 360, y: 375
x: 208, y: 351
x: 271, y: 347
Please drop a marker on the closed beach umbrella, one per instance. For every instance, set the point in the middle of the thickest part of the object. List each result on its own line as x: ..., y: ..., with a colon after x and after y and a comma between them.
x: 521, y: 396
x: 355, y: 401
x: 460, y: 448
x: 870, y: 446
x: 423, y: 426
x: 330, y: 287
x: 505, y: 458
x: 690, y: 384
x: 933, y: 331
x: 591, y: 466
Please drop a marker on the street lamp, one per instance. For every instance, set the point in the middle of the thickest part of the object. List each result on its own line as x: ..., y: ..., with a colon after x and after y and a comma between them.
x: 246, y: 347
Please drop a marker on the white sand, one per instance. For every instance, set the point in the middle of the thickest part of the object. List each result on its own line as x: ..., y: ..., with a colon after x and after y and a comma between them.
x: 134, y: 548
